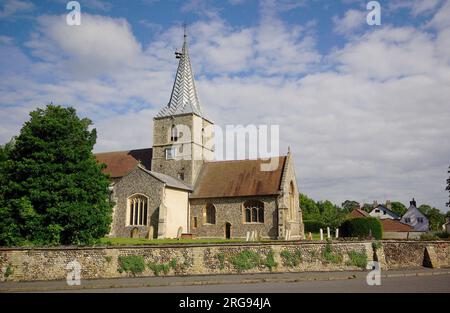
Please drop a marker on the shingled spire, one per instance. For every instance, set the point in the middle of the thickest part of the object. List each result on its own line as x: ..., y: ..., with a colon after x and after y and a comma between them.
x: 184, y: 98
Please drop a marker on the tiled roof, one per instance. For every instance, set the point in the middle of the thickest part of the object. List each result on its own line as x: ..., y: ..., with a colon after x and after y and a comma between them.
x: 120, y: 163
x: 395, y: 226
x: 359, y: 213
x: 238, y: 178
x: 169, y: 180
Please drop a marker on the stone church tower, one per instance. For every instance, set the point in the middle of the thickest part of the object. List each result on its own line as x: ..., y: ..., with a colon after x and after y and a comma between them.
x: 181, y: 133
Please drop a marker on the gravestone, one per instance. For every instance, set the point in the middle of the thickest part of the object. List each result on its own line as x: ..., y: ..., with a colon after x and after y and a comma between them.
x: 135, y: 233
x: 150, y: 233
x: 248, y: 237
x: 321, y: 234
x: 310, y: 236
x: 180, y: 232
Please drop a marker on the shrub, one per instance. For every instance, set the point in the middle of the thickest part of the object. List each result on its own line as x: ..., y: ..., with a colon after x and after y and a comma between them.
x: 133, y: 264
x: 9, y: 271
x: 291, y: 259
x: 443, y: 235
x: 331, y: 257
x: 428, y: 237
x: 157, y: 268
x: 245, y: 260
x: 270, y: 261
x: 358, y: 259
x: 313, y: 226
x: 221, y: 257
x: 362, y: 227
x: 376, y: 245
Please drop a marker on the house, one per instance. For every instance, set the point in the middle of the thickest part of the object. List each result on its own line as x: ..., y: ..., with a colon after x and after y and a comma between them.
x: 446, y: 226
x: 415, y: 218
x: 383, y: 211
x: 176, y: 187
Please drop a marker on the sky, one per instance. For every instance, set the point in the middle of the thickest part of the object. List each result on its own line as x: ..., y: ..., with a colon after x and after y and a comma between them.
x: 365, y: 109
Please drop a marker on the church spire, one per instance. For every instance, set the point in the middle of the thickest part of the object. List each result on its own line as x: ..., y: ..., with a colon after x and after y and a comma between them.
x: 184, y: 98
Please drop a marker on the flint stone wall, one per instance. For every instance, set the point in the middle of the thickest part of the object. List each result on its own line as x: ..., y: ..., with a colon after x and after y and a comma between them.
x: 20, y: 264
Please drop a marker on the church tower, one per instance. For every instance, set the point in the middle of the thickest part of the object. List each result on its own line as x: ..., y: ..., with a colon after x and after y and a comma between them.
x: 181, y: 133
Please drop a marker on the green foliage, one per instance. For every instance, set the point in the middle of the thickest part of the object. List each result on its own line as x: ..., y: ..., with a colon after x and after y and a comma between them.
x: 448, y: 189
x: 324, y: 213
x: 443, y: 235
x: 9, y: 271
x: 330, y: 256
x: 435, y: 217
x: 313, y: 226
x: 270, y: 260
x: 245, y: 260
x: 398, y: 208
x: 133, y: 264
x: 362, y: 227
x: 108, y: 258
x: 367, y: 207
x: 291, y: 259
x: 221, y: 257
x: 53, y: 191
x: 428, y: 237
x: 309, y: 207
x: 358, y: 259
x: 376, y: 245
x: 157, y: 268
x: 349, y: 205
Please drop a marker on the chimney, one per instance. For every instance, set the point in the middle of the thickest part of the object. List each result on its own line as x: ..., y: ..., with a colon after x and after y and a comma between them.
x: 389, y: 204
x: 375, y: 203
x: 413, y: 203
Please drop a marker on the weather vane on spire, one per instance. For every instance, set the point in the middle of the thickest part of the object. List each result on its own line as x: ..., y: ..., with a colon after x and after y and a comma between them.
x: 178, y: 54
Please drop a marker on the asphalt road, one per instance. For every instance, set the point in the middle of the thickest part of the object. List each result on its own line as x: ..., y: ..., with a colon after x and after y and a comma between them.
x: 435, y: 283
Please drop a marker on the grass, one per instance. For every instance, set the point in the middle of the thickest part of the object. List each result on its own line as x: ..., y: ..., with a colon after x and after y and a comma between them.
x: 143, y: 241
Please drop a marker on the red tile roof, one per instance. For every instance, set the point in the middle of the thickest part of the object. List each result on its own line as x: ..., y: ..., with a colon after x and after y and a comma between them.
x: 238, y: 178
x: 395, y: 226
x: 120, y: 163
x: 358, y: 213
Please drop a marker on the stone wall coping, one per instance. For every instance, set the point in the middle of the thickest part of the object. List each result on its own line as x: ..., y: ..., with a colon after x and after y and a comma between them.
x: 256, y: 244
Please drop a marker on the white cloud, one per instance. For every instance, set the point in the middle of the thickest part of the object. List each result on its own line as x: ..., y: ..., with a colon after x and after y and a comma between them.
x: 416, y: 7
x: 373, y: 127
x: 11, y: 7
x: 352, y: 21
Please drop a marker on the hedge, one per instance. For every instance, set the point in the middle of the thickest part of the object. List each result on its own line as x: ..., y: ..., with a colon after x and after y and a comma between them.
x: 314, y: 226
x: 362, y: 227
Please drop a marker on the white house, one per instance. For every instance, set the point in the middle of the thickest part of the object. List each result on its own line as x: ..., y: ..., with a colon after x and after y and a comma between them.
x: 415, y: 218
x: 383, y: 211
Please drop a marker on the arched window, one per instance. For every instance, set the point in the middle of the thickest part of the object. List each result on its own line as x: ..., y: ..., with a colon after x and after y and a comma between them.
x: 254, y: 212
x: 174, y: 133
x: 138, y: 210
x: 210, y: 214
x: 292, y: 200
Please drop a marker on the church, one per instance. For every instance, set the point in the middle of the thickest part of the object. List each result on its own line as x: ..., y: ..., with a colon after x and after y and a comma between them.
x: 159, y: 194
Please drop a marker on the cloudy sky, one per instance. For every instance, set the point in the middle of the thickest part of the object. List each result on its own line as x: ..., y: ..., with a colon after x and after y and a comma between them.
x: 365, y: 109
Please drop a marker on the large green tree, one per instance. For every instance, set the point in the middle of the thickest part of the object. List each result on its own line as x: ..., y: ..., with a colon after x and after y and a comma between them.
x: 54, y: 191
x: 398, y: 208
x: 310, y: 210
x: 349, y: 205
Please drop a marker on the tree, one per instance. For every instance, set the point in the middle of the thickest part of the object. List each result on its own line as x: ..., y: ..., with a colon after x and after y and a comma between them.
x: 448, y: 187
x: 54, y: 191
x: 367, y: 207
x: 436, y: 219
x: 309, y: 207
x: 349, y: 205
x: 425, y: 209
x: 330, y: 214
x: 398, y: 208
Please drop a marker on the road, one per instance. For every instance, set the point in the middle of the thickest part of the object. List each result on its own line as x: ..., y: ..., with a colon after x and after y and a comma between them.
x: 435, y: 283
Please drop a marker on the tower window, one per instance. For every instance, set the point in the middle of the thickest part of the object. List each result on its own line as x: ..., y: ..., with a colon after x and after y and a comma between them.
x: 174, y: 134
x: 171, y: 153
